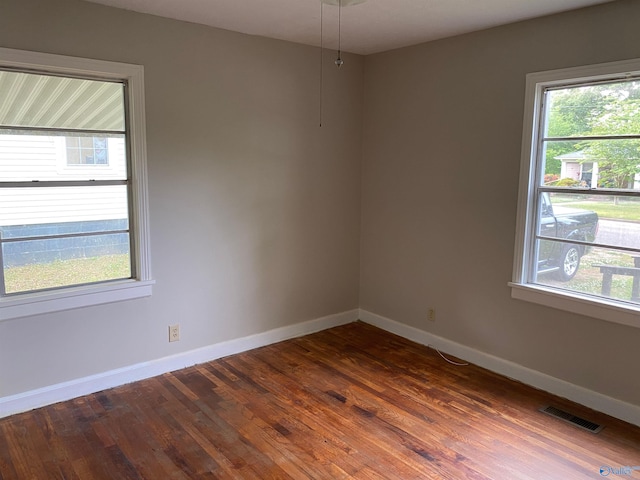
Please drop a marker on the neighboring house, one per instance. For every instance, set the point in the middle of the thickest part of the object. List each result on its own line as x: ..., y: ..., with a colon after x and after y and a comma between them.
x: 575, y: 165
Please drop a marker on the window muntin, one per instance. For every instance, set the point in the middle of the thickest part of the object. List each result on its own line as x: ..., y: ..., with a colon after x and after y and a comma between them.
x: 74, y: 230
x: 581, y: 158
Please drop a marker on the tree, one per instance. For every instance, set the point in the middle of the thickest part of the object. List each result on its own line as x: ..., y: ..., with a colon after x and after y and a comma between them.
x: 618, y: 160
x: 597, y: 110
x: 570, y: 114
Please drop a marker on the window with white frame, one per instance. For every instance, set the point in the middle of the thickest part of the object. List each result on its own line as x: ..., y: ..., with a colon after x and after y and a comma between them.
x: 78, y: 235
x: 89, y: 150
x: 578, y: 239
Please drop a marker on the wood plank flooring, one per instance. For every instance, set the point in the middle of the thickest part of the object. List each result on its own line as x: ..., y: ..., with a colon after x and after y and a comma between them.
x: 349, y: 402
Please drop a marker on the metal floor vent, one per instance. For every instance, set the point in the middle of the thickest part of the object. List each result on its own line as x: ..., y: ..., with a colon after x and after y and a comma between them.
x: 567, y: 417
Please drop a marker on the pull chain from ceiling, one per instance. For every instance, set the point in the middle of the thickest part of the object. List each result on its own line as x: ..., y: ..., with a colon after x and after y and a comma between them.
x: 339, y: 62
x: 321, y: 70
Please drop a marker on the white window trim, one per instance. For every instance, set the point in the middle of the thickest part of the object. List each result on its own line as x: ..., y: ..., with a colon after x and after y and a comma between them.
x: 75, y: 297
x: 603, y: 309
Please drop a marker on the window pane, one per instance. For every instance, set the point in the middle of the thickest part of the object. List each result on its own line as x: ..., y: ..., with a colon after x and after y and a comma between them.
x: 63, y: 228
x: 610, y: 220
x: 48, y: 263
x: 75, y: 206
x: 567, y: 216
x: 57, y: 158
x: 33, y: 100
x: 604, y: 223
x: 99, y: 142
x: 603, y: 272
x: 592, y: 164
x: 73, y: 156
x: 86, y: 156
x: 606, y: 109
x: 100, y: 156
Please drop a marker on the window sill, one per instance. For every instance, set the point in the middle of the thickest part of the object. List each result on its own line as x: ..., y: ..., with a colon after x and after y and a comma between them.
x: 55, y: 301
x: 610, y: 311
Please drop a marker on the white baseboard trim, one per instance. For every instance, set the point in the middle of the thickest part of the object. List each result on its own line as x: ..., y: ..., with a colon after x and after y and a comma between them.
x: 41, y: 397
x: 26, y: 401
x: 589, y: 398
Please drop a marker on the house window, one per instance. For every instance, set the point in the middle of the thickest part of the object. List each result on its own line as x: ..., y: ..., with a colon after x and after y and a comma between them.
x: 578, y: 239
x: 87, y: 150
x: 73, y: 236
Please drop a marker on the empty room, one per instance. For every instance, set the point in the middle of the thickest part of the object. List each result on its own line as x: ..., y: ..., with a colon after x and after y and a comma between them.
x: 322, y: 239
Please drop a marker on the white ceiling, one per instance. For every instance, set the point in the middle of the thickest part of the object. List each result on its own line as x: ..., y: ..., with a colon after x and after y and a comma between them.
x: 369, y: 27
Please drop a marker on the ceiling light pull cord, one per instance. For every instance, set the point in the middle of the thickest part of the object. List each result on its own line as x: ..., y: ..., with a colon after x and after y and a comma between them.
x: 339, y: 62
x: 321, y: 70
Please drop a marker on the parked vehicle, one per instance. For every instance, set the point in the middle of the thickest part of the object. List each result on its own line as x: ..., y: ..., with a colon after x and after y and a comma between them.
x: 569, y: 224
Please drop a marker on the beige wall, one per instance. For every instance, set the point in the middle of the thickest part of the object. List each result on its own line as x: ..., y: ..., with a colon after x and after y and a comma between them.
x: 254, y: 209
x: 442, y: 138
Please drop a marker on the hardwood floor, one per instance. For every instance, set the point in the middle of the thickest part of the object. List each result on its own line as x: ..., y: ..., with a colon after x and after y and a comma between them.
x: 349, y: 402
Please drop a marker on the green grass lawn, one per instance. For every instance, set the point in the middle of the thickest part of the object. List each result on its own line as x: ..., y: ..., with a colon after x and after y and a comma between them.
x: 589, y: 279
x: 62, y: 273
x: 628, y: 210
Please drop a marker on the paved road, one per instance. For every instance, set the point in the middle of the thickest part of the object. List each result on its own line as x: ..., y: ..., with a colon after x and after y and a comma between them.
x: 624, y: 234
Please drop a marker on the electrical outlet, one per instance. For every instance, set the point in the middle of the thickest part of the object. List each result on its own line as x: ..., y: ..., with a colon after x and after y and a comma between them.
x: 174, y: 332
x: 431, y: 315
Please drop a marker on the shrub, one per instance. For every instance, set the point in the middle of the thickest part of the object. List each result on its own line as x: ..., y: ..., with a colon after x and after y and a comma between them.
x: 567, y: 182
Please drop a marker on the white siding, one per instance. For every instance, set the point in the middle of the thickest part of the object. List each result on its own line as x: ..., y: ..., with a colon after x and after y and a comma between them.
x: 22, y: 155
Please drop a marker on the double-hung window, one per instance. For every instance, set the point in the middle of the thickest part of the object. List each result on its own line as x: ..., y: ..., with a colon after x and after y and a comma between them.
x: 73, y: 210
x: 578, y: 238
